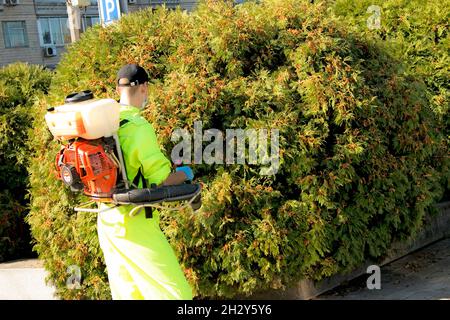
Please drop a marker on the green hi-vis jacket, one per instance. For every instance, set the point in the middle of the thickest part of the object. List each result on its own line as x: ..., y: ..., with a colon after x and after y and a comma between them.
x: 140, y: 262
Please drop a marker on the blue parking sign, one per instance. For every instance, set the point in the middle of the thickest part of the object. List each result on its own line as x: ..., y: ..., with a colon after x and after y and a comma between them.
x: 109, y: 11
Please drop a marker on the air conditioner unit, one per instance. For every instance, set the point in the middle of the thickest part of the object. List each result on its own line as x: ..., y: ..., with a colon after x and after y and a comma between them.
x: 10, y: 3
x: 50, y: 51
x: 132, y: 1
x: 81, y: 3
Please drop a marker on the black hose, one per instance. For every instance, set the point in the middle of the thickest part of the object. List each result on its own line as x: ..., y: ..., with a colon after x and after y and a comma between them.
x: 157, y: 194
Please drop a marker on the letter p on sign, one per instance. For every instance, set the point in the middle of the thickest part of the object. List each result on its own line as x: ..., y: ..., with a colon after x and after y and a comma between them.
x: 109, y: 11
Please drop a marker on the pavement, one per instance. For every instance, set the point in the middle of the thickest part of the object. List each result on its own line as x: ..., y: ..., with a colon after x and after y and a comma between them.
x: 24, y: 280
x: 422, y: 275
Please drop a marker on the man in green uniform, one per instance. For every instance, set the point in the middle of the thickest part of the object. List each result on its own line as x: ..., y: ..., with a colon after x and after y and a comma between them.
x: 140, y: 262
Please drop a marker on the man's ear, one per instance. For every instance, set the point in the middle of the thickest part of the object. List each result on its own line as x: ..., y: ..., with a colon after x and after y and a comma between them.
x: 118, y: 90
x: 144, y: 88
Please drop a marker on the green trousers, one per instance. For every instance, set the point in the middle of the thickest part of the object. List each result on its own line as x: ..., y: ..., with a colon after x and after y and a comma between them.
x: 140, y: 262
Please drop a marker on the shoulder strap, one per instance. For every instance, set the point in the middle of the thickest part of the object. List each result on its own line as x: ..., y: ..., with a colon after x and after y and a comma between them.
x: 123, y: 122
x: 139, y: 176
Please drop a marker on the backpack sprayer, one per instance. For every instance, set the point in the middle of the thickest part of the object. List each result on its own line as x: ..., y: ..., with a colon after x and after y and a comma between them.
x: 91, y: 161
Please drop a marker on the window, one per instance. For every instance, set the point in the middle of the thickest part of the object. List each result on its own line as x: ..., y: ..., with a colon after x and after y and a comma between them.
x: 89, y: 21
x: 59, y: 2
x: 51, y: 2
x: 54, y: 31
x: 15, y: 34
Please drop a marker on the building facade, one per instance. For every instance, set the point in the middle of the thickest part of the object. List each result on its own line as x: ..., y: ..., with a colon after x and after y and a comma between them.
x: 37, y: 32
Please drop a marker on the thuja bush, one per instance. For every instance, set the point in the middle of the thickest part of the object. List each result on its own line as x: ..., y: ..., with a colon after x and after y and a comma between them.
x: 20, y: 84
x: 360, y: 149
x: 417, y: 32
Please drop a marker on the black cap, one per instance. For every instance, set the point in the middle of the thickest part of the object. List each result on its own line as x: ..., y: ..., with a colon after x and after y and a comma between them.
x: 135, y: 74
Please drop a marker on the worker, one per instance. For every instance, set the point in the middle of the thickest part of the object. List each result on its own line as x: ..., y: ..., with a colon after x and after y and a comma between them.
x: 140, y: 262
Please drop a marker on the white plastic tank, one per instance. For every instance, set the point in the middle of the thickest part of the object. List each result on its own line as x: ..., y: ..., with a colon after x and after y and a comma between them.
x: 85, y: 117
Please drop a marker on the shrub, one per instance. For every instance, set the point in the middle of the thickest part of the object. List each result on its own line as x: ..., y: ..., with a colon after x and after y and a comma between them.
x: 417, y: 32
x: 20, y: 84
x: 360, y: 149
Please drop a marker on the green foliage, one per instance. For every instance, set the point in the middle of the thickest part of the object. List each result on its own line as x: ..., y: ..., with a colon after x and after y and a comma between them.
x: 20, y: 85
x: 417, y: 33
x: 360, y: 148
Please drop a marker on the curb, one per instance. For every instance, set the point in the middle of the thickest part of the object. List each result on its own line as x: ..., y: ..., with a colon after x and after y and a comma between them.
x: 436, y: 228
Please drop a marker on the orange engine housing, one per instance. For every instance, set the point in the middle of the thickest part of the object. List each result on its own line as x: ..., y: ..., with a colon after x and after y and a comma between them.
x: 84, y: 165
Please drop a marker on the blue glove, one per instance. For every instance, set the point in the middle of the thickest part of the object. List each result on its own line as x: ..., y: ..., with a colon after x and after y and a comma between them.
x: 187, y: 171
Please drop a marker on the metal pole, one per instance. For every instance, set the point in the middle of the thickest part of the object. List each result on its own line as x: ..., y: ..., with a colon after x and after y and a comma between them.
x: 74, y: 18
x: 123, y: 6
